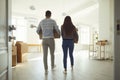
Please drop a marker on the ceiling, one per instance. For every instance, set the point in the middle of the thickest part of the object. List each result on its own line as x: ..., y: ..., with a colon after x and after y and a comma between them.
x: 81, y: 11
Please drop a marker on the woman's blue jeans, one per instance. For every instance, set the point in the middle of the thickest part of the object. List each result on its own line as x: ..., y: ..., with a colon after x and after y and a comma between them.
x: 68, y: 46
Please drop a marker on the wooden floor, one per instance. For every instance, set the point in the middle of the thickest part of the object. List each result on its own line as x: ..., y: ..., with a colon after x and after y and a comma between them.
x: 84, y: 68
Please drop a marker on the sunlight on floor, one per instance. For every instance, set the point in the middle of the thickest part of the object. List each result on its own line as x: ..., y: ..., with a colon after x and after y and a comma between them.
x: 84, y: 68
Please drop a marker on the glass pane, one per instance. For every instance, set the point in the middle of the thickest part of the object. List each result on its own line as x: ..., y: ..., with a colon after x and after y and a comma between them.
x: 21, y: 28
x: 85, y: 35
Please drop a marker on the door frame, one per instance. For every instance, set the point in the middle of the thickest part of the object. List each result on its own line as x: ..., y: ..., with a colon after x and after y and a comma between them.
x: 116, y: 40
x: 9, y: 33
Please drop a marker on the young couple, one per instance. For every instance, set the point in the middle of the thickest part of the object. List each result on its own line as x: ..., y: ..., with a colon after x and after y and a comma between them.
x: 67, y: 33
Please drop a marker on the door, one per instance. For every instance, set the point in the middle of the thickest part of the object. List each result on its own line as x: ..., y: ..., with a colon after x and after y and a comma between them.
x: 5, y: 45
x: 117, y: 41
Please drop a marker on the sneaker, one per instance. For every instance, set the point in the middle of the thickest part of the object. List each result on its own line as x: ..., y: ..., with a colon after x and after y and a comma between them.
x: 54, y: 67
x: 65, y: 71
x: 46, y: 71
x: 72, y: 67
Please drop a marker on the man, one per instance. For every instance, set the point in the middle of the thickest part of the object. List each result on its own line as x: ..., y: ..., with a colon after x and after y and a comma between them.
x: 47, y: 25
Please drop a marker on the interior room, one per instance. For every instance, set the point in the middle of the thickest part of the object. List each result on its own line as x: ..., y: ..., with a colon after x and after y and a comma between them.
x: 93, y: 53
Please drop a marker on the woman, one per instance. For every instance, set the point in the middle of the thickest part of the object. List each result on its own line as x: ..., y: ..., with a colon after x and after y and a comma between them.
x: 67, y: 32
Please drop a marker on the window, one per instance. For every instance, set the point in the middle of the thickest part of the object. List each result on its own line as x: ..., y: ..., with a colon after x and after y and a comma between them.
x: 84, y: 35
x: 21, y: 28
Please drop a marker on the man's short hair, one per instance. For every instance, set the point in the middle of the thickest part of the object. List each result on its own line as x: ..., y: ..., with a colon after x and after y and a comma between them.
x: 48, y: 13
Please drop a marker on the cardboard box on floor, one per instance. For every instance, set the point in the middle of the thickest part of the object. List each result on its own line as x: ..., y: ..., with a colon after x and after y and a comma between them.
x: 14, y: 55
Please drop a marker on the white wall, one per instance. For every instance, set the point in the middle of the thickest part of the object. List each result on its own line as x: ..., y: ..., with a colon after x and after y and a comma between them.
x: 32, y: 37
x: 106, y: 24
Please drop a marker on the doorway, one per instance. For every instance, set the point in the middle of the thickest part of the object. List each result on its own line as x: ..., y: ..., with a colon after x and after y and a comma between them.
x: 60, y: 22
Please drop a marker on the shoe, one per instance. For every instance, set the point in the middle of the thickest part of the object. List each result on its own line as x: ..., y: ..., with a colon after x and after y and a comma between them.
x: 72, y: 67
x: 54, y: 67
x: 65, y: 71
x: 46, y: 71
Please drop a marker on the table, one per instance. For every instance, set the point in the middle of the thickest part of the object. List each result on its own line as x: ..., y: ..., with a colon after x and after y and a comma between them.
x: 38, y: 45
x: 102, y: 44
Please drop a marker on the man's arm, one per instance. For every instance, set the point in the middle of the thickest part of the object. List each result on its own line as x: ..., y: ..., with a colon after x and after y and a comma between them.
x: 38, y: 29
x: 56, y: 27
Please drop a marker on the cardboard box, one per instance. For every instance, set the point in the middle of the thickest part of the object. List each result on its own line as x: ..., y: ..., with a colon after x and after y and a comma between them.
x: 14, y: 55
x: 14, y: 60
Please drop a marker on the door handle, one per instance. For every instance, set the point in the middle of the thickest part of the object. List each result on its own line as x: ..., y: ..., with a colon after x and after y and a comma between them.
x: 12, y: 28
x: 12, y: 38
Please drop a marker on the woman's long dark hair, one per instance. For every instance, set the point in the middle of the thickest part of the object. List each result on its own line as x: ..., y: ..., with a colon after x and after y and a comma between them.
x: 68, y: 25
